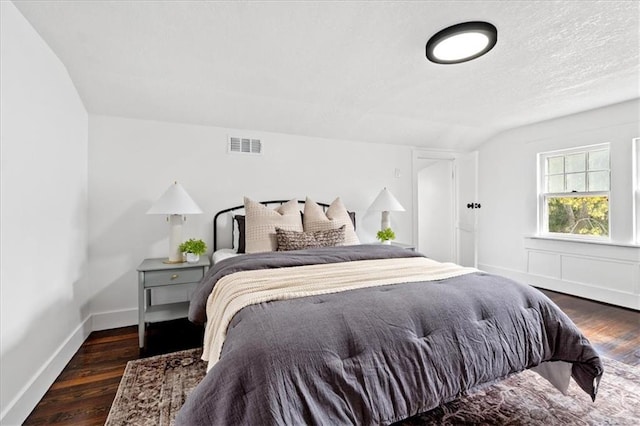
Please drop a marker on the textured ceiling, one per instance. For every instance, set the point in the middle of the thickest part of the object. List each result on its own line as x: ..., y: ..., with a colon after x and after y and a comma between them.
x: 346, y: 70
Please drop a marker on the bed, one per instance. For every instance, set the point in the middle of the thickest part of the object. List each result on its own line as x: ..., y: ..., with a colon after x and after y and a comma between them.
x: 367, y: 334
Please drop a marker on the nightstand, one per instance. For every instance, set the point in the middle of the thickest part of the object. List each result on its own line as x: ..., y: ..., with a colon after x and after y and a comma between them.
x: 153, y: 273
x: 404, y: 246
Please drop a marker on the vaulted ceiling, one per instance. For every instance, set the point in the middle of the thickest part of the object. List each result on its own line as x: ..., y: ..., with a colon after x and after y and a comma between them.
x: 347, y: 70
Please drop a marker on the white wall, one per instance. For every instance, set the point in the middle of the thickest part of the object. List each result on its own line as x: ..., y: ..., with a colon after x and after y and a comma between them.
x: 132, y: 162
x: 507, y: 179
x: 44, y: 287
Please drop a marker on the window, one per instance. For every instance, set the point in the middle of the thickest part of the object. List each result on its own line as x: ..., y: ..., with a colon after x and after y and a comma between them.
x: 574, y: 191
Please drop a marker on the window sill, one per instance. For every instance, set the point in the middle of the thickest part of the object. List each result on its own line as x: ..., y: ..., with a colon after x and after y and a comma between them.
x: 583, y: 247
x: 578, y: 240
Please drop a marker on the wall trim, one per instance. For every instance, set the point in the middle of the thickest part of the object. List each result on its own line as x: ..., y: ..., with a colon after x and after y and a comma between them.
x: 114, y: 319
x: 32, y: 392
x: 587, y: 291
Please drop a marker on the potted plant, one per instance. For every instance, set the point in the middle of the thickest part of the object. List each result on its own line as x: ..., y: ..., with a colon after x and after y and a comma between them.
x: 192, y: 249
x: 386, y: 235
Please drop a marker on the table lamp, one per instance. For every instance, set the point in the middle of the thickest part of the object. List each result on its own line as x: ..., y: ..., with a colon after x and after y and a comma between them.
x: 385, y: 202
x: 175, y: 203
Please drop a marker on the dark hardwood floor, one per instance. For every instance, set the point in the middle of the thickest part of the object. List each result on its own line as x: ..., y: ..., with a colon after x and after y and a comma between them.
x: 614, y: 331
x: 83, y: 392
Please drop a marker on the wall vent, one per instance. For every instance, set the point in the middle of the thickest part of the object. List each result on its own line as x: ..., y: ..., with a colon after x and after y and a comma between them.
x: 245, y: 145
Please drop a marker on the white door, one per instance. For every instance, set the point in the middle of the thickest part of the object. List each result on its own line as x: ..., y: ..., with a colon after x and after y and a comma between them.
x: 436, y: 210
x: 468, y: 206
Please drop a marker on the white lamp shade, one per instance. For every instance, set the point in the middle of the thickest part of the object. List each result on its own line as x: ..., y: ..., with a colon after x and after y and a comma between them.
x: 175, y: 201
x: 386, y: 202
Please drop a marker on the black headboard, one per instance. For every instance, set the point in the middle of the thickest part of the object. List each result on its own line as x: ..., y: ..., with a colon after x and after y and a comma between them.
x: 240, y: 207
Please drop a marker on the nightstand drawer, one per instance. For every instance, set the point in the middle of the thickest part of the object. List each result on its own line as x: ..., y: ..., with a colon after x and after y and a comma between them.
x: 158, y: 278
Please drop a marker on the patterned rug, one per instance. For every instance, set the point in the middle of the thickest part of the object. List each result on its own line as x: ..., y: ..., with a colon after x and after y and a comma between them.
x: 152, y: 391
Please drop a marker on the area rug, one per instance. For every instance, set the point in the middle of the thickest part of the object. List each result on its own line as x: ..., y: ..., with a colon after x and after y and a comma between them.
x: 152, y: 390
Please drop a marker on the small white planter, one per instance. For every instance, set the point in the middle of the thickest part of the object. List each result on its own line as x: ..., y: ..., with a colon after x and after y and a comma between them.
x: 192, y: 257
x: 388, y: 242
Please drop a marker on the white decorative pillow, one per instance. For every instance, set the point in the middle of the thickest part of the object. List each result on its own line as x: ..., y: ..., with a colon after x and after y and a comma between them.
x: 261, y: 223
x: 315, y: 219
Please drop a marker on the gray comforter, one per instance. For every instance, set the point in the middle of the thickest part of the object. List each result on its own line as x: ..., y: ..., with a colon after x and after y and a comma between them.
x: 376, y: 355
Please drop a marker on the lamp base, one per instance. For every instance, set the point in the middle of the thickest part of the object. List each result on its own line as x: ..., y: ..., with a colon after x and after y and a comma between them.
x: 175, y: 238
x: 386, y: 221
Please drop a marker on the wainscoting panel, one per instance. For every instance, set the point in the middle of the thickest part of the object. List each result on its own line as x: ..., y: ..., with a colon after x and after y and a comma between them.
x: 544, y: 264
x: 609, y: 274
x: 600, y: 271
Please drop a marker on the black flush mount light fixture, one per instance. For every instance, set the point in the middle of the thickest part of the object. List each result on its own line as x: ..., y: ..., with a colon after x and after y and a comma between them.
x: 461, y: 42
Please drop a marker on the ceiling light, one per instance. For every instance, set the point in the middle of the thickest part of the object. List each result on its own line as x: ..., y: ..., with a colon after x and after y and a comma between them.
x: 461, y: 42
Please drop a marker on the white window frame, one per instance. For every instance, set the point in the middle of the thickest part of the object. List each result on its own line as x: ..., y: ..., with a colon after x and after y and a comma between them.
x: 543, y: 195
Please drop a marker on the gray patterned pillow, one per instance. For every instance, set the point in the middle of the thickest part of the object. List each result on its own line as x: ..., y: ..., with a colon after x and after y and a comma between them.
x: 294, y: 240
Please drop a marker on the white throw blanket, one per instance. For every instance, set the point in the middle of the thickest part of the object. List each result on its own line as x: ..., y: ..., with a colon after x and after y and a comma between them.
x: 235, y: 291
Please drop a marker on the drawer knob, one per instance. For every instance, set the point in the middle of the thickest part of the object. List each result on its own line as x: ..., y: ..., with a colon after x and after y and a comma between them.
x: 174, y: 276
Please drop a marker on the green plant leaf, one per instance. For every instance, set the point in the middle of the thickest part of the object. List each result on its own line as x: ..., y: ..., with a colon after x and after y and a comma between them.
x: 193, y: 246
x: 386, y: 234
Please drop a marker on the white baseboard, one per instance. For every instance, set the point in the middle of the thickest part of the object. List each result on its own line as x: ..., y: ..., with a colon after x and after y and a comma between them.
x: 29, y: 396
x: 587, y: 291
x: 114, y: 319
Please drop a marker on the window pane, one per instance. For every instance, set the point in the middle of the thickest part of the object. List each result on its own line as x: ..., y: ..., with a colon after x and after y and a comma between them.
x: 575, y: 162
x: 576, y: 182
x: 598, y: 181
x: 555, y: 165
x: 578, y: 215
x: 599, y: 160
x: 555, y: 183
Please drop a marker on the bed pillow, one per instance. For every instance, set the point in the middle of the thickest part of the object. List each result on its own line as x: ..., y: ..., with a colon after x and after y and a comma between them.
x: 239, y: 233
x: 294, y: 240
x: 352, y: 216
x: 261, y: 223
x: 315, y: 219
x: 239, y: 243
